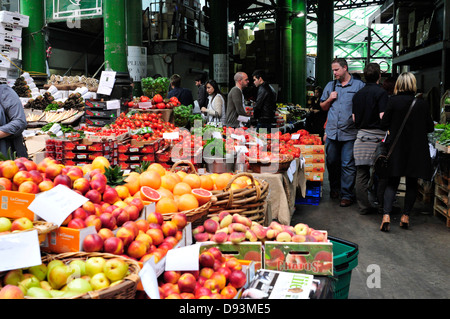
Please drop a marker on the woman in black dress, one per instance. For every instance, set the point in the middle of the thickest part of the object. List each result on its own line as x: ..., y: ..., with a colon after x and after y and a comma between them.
x: 411, y: 156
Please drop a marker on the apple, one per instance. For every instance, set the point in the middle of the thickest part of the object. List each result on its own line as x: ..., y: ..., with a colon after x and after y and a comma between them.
x: 29, y: 281
x: 13, y: 277
x: 40, y: 271
x: 59, y: 275
x: 99, y: 281
x: 79, y: 267
x: 115, y: 269
x: 93, y: 243
x: 21, y: 223
x: 79, y: 285
x: 52, y: 264
x: 186, y: 283
x: 11, y: 292
x: 113, y: 245
x: 94, y: 265
x: 5, y: 224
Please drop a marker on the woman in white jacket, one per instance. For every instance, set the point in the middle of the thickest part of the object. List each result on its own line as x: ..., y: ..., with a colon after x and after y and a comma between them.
x: 215, y: 111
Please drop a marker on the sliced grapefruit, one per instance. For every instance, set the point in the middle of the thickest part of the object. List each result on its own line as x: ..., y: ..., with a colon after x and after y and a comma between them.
x: 150, y: 194
x: 203, y: 196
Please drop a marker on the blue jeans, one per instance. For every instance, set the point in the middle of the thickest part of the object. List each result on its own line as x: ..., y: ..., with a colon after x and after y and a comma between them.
x: 341, y: 167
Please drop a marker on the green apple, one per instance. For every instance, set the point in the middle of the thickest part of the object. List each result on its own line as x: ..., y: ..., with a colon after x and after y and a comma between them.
x: 13, y: 277
x: 79, y: 267
x: 59, y: 275
x: 99, y: 281
x: 45, y: 285
x: 40, y: 271
x: 53, y: 264
x: 39, y: 293
x: 56, y: 293
x: 30, y: 281
x: 94, y: 265
x: 79, y: 285
x: 5, y: 224
x: 115, y: 269
x: 70, y: 294
x: 21, y: 223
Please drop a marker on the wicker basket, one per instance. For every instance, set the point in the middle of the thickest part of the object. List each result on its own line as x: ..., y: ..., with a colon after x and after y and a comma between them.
x: 42, y: 228
x: 262, y: 166
x: 126, y: 289
x: 249, y: 202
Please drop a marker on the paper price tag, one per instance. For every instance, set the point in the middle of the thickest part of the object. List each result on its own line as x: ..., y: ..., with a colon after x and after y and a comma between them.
x: 149, y: 279
x: 243, y: 119
x: 171, y: 136
x: 56, y: 204
x: 113, y: 105
x: 295, y: 136
x: 217, y: 134
x: 19, y: 250
x: 106, y: 84
x: 183, y: 258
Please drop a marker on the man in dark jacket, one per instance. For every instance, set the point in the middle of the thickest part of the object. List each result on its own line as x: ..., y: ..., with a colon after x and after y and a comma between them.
x: 202, y: 95
x: 183, y: 95
x: 265, y: 107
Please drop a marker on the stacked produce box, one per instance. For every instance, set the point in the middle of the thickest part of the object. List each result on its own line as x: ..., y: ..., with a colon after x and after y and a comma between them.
x: 98, y: 113
x: 11, y: 24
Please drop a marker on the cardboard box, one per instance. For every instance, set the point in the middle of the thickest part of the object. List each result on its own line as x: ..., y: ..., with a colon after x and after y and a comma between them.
x: 314, y: 176
x: 313, y: 258
x: 9, y: 52
x: 64, y: 239
x: 314, y: 167
x: 249, y: 251
x: 314, y: 158
x: 11, y: 41
x: 311, y: 149
x: 15, y: 205
x: 15, y: 18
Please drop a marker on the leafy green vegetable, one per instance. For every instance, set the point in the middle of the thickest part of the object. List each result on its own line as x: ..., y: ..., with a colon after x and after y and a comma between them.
x: 151, y: 86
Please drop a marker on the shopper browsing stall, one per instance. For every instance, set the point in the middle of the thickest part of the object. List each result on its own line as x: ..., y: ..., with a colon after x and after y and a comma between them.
x: 12, y: 123
x: 369, y: 105
x: 184, y: 95
x: 235, y: 103
x: 202, y: 95
x: 410, y: 156
x: 340, y: 131
x: 265, y: 107
x: 215, y: 110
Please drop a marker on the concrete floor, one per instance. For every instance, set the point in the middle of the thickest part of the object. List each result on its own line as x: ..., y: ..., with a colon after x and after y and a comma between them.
x: 412, y: 264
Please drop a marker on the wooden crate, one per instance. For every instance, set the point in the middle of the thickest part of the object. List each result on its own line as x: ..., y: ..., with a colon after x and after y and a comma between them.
x: 441, y: 202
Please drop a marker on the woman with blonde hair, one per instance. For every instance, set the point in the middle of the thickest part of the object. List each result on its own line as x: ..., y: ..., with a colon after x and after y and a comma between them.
x: 410, y: 157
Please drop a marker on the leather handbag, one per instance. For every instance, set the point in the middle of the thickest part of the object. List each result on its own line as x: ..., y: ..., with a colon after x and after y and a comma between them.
x: 383, y: 151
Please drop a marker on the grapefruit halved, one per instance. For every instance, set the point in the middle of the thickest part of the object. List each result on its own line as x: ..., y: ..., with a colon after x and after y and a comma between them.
x: 203, y: 196
x: 150, y: 194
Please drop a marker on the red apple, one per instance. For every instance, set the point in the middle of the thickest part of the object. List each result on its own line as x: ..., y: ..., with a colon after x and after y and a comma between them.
x: 22, y: 223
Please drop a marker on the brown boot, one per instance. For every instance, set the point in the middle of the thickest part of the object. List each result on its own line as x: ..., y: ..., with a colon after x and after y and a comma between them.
x: 404, y: 221
x: 385, y: 224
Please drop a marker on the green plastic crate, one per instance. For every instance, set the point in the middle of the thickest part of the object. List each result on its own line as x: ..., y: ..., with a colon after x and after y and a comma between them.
x: 345, y: 259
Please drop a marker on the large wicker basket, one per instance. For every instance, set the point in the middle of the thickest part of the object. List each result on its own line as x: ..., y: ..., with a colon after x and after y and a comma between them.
x: 249, y: 202
x: 278, y: 166
x: 42, y: 228
x: 126, y: 289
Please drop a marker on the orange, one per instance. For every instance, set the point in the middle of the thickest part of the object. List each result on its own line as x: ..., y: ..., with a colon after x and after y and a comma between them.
x: 151, y: 179
x: 100, y: 162
x: 193, y: 180
x: 150, y: 194
x: 157, y: 168
x: 132, y: 182
x: 203, y: 196
x: 182, y: 174
x: 187, y: 202
x: 175, y: 176
x: 206, y: 182
x: 241, y: 182
x: 182, y: 188
x: 168, y: 182
x: 122, y: 191
x: 222, y: 180
x: 166, y: 206
x: 165, y: 193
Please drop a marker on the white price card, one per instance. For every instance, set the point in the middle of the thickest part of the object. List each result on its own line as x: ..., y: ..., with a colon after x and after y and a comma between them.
x: 113, y: 105
x: 295, y: 136
x: 243, y: 119
x: 56, y: 204
x: 106, y: 84
x: 171, y: 136
x: 216, y: 134
x: 19, y: 250
x: 149, y: 279
x: 183, y: 258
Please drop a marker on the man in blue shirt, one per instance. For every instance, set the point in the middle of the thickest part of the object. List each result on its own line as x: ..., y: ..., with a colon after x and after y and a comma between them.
x: 184, y: 95
x: 340, y: 131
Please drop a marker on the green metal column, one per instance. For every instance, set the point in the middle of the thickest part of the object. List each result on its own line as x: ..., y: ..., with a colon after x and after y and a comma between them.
x: 285, y: 27
x: 134, y: 32
x: 299, y: 53
x: 218, y: 42
x: 325, y: 41
x: 33, y: 40
x: 115, y: 35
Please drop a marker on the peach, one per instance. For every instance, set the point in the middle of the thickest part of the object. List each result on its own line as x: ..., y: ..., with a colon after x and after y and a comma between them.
x: 206, y: 259
x: 220, y: 279
x: 82, y: 185
x: 9, y: 169
x: 122, y: 217
x: 110, y: 194
x: 157, y: 235
x: 145, y: 238
x: 98, y: 185
x: 259, y: 231
x: 105, y: 233
x: 36, y: 176
x: 30, y: 165
x: 226, y: 220
x: 138, y: 203
x: 318, y: 235
x: 137, y: 249
x: 63, y: 180
x: 89, y: 208
x: 202, y: 293
x: 284, y: 237
x: 169, y: 228
x: 206, y: 272
x: 79, y: 213
x: 28, y: 187
x: 11, y: 292
x: 220, y: 237
x: 237, y: 227
x: 6, y: 183
x: 171, y: 276
x: 75, y: 173
x: 52, y: 170
x: 180, y: 220
x: 228, y: 292
x: 93, y: 220
x: 186, y: 283
x: 155, y: 218
x: 242, y: 220
x: 76, y: 223
x: 298, y: 238
x: 131, y: 225
x: 133, y: 212
x: 223, y: 214
x: 142, y: 224
x: 109, y: 209
x: 236, y: 237
x: 22, y: 176
x: 272, y: 233
x: 94, y: 196
x: 211, y: 225
x: 108, y: 221
x: 126, y: 235
x: 212, y: 285
x: 113, y: 245
x: 250, y: 235
x: 276, y: 226
x: 233, y: 264
x: 92, y: 243
x: 67, y: 220
x: 237, y: 279
x: 198, y: 229
x: 201, y: 237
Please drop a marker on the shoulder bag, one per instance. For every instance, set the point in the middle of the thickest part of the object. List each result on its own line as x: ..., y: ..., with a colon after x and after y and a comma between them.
x: 383, y: 151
